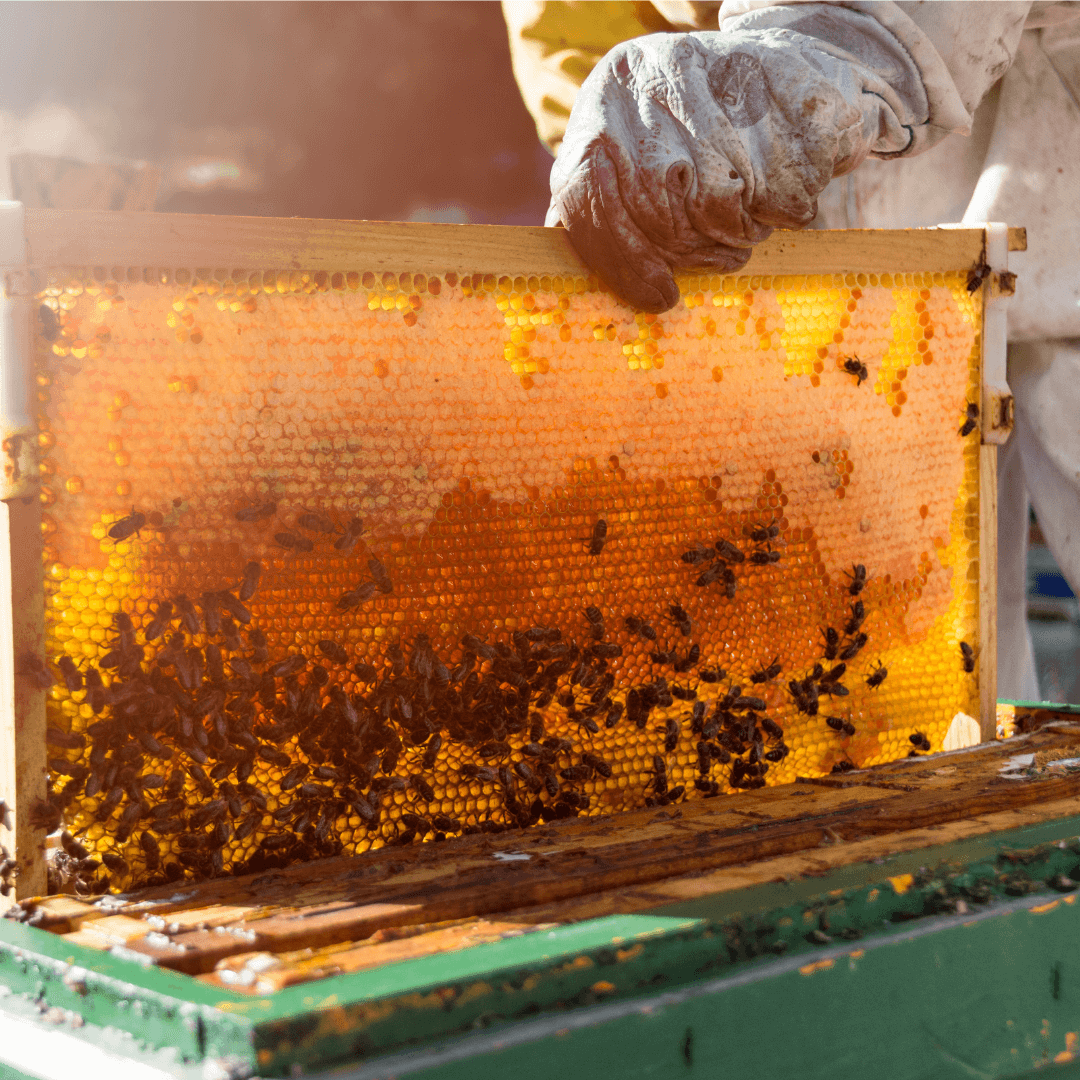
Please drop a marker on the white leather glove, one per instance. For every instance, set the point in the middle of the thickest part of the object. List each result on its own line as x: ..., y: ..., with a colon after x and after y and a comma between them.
x: 688, y: 149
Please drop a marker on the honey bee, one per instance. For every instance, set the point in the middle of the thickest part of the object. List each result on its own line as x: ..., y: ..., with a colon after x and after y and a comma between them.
x: 32, y: 668
x: 114, y: 862
x: 151, y: 852
x: 599, y: 537
x: 698, y: 554
x: 128, y: 526
x: 355, y: 597
x: 313, y: 522
x: 156, y: 626
x: 532, y: 781
x: 601, y: 767
x: 446, y: 824
x: 764, y: 557
x: 289, y: 666
x: 672, y: 730
x: 659, y: 775
x: 252, y: 572
x: 834, y: 674
x: 711, y: 675
x: 690, y: 660
x: 858, y: 616
x: 852, y: 649
x: 858, y: 580
x: 185, y: 611
x: 760, y: 534
x: 231, y: 635
x: 365, y: 672
x: 678, y: 616
x: 767, y: 674
x: 294, y: 776
x: 919, y: 741
x: 211, y: 607
x: 380, y: 576
x: 596, y: 621
x: 877, y: 675
x: 257, y: 641
x: 640, y: 627
x: 967, y: 654
x: 332, y: 650
x: 972, y: 420
x: 397, y: 660
x: 48, y: 323
x: 353, y: 531
x: 576, y: 774
x: 805, y: 694
x: 704, y: 758
x: 977, y: 275
x: 293, y: 541
x: 73, y: 679
x: 67, y: 739
x: 233, y: 606
x: 259, y: 512
x: 719, y: 571
x: 771, y: 728
x: 606, y: 650
x: 854, y: 366
x: 729, y: 552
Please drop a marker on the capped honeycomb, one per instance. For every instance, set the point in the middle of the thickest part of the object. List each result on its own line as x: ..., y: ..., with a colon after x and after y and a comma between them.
x: 340, y: 560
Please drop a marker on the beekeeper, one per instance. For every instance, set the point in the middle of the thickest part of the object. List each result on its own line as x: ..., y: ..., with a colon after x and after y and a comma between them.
x: 685, y: 133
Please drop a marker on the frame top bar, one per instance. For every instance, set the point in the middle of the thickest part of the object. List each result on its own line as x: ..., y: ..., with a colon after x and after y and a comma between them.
x: 85, y: 238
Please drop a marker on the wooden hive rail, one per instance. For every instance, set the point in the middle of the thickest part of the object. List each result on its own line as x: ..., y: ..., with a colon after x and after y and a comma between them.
x: 97, y: 240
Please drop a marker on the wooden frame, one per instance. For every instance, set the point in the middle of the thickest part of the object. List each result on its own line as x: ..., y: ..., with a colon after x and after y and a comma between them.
x: 95, y: 238
x: 91, y: 240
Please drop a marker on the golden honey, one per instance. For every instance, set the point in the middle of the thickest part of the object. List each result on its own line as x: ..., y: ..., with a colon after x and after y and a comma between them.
x: 480, y: 426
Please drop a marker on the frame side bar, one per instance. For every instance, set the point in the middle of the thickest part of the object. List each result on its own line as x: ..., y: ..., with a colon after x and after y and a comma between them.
x: 23, y: 756
x: 996, y: 425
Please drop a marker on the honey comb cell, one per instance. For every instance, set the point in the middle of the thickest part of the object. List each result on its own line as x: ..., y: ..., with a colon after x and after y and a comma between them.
x: 354, y: 558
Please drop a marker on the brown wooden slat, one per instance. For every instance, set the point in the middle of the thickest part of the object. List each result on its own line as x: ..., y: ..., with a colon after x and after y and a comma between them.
x: 87, y: 238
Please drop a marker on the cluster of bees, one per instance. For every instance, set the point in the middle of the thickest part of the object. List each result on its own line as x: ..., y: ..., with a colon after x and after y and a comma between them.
x: 192, y: 715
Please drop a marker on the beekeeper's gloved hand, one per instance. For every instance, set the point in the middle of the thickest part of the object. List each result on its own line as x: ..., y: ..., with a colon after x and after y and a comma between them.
x: 687, y: 149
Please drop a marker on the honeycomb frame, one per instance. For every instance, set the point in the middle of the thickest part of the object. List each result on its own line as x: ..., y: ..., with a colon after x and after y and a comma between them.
x: 541, y: 313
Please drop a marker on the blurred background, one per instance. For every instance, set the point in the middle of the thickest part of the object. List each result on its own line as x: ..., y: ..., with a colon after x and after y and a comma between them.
x: 390, y: 111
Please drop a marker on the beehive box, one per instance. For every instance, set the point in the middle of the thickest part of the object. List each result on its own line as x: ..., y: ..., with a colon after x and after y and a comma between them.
x: 399, y: 533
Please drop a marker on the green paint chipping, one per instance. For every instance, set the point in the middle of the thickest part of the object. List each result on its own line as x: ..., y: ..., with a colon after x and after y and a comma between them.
x: 534, y: 951
x: 402, y: 1004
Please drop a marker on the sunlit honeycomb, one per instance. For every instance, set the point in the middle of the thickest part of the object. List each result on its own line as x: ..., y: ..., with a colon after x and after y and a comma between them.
x: 484, y: 429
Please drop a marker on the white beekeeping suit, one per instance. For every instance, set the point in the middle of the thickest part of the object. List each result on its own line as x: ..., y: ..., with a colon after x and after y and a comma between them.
x: 1021, y: 165
x: 686, y: 149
